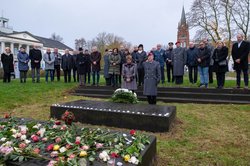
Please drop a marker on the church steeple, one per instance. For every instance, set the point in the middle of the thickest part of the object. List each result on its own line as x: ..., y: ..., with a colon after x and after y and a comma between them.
x: 183, y: 30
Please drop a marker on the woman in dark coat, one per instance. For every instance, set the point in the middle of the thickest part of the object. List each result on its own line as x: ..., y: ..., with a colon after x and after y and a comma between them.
x: 151, y: 78
x: 81, y: 63
x: 220, y: 66
x: 106, y: 66
x: 7, y: 61
x: 129, y: 72
x: 23, y: 60
x: 114, y: 67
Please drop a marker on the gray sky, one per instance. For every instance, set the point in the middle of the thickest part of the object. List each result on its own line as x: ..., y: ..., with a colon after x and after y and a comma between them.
x: 137, y: 21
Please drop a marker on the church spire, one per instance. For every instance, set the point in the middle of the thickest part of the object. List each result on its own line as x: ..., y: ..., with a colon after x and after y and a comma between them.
x: 183, y: 16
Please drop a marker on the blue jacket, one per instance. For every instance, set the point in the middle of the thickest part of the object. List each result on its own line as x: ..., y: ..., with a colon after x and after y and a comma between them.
x: 23, y: 60
x: 192, y: 54
x: 160, y: 56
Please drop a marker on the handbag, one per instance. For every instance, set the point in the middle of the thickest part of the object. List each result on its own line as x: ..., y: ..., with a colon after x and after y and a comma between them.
x: 223, y: 63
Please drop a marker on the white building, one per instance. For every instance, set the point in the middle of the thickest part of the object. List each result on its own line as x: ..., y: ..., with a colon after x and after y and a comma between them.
x: 14, y: 40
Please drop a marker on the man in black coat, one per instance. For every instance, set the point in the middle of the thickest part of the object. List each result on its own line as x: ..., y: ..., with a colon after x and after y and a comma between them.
x: 169, y: 54
x: 67, y: 65
x: 7, y: 61
x: 240, y: 53
x: 35, y: 56
x: 95, y: 59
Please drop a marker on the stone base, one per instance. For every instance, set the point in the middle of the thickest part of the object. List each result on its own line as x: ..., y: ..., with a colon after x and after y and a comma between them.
x: 133, y: 116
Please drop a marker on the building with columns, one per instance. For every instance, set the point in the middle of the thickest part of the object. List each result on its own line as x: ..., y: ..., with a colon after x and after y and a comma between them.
x: 14, y: 40
x: 183, y: 30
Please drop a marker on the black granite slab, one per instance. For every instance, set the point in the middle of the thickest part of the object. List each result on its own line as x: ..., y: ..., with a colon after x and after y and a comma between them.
x: 153, y: 118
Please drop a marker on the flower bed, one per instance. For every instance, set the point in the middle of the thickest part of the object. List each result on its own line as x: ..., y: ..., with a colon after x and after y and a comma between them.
x: 59, y: 144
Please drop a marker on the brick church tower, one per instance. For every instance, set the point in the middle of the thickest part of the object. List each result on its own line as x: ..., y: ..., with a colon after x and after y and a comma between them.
x: 183, y: 30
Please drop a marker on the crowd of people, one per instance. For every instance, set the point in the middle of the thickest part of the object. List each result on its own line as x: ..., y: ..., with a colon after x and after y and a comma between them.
x: 130, y: 70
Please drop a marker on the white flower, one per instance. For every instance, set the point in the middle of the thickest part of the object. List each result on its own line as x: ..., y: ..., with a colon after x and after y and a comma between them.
x: 23, y: 137
x: 8, y: 143
x: 37, y: 126
x: 23, y: 128
x: 42, y: 131
x: 104, y: 156
x: 27, y: 141
x: 62, y: 149
x: 15, y: 135
x: 3, y: 139
x: 14, y: 131
x: 124, y: 135
x: 134, y: 160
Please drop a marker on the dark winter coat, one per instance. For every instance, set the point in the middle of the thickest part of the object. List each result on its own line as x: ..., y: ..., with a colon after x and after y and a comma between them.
x: 151, y: 78
x: 67, y: 62
x: 75, y: 63
x: 7, y: 61
x: 114, y: 69
x: 88, y: 62
x: 178, y: 61
x: 106, y: 66
x: 220, y: 55
x: 35, y: 54
x: 242, y: 54
x: 95, y: 57
x: 168, y: 55
x: 204, y: 55
x: 140, y: 58
x: 129, y: 72
x: 160, y: 56
x: 81, y: 62
x: 58, y: 59
x: 192, y: 54
x: 23, y: 61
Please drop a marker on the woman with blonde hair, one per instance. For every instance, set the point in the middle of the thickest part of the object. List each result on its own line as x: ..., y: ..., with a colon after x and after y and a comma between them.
x: 129, y: 72
x: 220, y: 66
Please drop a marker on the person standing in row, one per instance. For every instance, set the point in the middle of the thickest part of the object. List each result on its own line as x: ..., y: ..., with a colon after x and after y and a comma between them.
x: 114, y: 67
x: 178, y: 61
x: 192, y: 53
x: 152, y: 78
x: 135, y: 50
x: 49, y: 60
x: 35, y: 55
x: 88, y: 64
x: 23, y: 60
x: 169, y: 55
x: 67, y: 65
x: 141, y: 57
x: 211, y: 62
x: 57, y: 64
x: 75, y: 65
x: 203, y: 60
x: 240, y: 53
x: 160, y: 56
x: 220, y: 63
x: 81, y: 62
x: 129, y: 72
x: 106, y: 67
x: 8, y: 67
x: 95, y: 59
x: 123, y: 60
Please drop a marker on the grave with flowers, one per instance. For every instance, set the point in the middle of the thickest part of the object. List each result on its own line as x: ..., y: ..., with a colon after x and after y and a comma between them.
x: 26, y: 142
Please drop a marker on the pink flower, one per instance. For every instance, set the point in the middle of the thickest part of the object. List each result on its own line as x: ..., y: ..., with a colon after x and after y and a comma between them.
x: 18, y: 135
x: 52, y: 163
x: 85, y: 147
x: 58, y: 139
x: 99, y: 145
x: 72, y: 156
x: 44, y: 139
x: 22, y: 145
x: 78, y: 138
x: 68, y: 146
x: 36, y: 151
x: 64, y: 127
x: 54, y: 126
x: 50, y: 147
x: 54, y: 154
x: 23, y: 132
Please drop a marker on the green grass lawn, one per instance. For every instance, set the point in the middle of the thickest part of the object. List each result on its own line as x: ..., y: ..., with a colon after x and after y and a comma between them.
x: 202, y: 134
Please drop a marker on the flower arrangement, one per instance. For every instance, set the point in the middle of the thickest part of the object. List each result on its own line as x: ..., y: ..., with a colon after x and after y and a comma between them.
x: 124, y: 96
x: 68, y: 117
x: 67, y: 144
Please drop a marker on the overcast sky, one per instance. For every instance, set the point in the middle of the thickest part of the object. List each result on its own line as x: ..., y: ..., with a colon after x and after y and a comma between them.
x: 137, y: 21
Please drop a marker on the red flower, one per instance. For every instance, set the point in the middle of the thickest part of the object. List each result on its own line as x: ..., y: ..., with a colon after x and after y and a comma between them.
x: 132, y: 132
x: 114, y: 155
x: 35, y: 138
x: 57, y: 122
x: 7, y: 116
x: 77, y: 142
x: 22, y: 145
x: 50, y: 147
x: 58, y: 139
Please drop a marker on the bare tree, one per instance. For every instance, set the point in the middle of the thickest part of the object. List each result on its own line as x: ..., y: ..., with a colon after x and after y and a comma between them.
x: 80, y: 43
x: 56, y: 37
